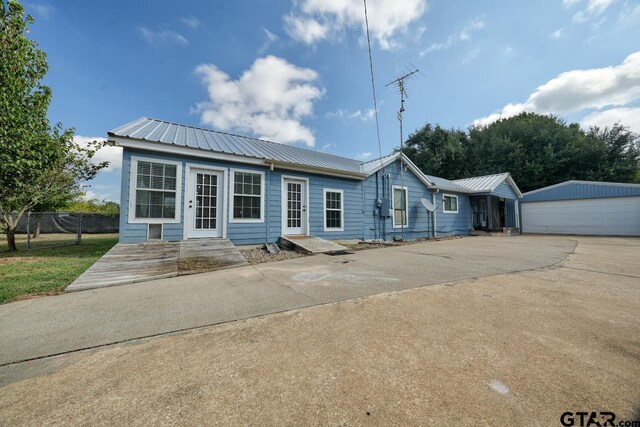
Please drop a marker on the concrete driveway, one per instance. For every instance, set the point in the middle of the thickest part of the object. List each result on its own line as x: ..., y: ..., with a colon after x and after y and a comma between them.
x: 54, y: 325
x: 516, y: 348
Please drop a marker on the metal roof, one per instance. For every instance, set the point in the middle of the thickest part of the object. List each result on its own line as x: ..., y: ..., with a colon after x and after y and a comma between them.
x: 373, y: 165
x: 160, y: 131
x: 482, y: 183
x: 445, y: 184
x: 578, y: 182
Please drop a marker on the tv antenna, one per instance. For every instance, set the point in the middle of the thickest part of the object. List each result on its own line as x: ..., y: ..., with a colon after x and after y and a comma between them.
x: 400, y: 83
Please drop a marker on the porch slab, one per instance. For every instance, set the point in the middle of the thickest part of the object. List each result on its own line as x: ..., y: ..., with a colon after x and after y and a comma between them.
x: 139, y: 262
x: 312, y: 245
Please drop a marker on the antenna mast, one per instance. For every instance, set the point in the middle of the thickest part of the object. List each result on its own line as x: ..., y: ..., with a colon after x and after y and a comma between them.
x: 400, y: 82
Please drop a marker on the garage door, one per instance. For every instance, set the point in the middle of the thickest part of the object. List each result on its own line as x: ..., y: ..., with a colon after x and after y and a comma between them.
x: 617, y: 216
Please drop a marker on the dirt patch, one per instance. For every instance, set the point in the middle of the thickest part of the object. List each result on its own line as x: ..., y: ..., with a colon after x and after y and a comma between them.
x: 17, y: 260
x: 35, y: 295
x: 361, y: 246
x: 259, y: 256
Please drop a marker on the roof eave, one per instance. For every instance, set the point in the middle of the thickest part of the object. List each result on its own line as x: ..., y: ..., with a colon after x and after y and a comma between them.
x: 141, y: 144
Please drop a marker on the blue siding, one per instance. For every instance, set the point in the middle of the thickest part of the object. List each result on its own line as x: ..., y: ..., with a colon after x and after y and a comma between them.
x: 504, y: 190
x: 252, y: 233
x: 420, y: 225
x: 577, y: 190
x: 449, y: 224
x: 362, y: 218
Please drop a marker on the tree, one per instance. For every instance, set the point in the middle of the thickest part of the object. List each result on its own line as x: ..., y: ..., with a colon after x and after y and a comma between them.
x: 94, y: 206
x: 37, y: 160
x: 439, y: 151
x: 538, y: 150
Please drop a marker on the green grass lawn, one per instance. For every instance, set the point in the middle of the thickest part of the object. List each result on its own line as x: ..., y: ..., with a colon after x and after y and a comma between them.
x: 47, y: 271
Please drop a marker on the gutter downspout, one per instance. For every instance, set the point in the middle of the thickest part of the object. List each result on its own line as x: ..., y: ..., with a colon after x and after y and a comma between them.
x: 435, y: 214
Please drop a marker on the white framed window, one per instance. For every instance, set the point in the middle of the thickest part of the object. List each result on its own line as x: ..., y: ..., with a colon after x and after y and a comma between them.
x: 247, y: 196
x: 449, y: 203
x: 154, y: 190
x: 333, y: 209
x: 400, y: 207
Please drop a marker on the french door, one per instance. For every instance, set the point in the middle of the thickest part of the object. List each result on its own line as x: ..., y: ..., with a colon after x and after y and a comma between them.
x: 295, y: 219
x: 204, y: 204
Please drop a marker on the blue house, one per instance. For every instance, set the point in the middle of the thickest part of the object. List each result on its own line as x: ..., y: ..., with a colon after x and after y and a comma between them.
x: 181, y: 182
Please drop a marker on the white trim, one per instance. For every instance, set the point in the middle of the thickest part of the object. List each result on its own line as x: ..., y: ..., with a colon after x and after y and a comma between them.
x: 133, y: 180
x: 283, y: 202
x: 233, y: 220
x: 573, y: 181
x: 187, y: 187
x: 443, y: 205
x: 161, y: 231
x: 516, y: 210
x: 324, y: 209
x: 393, y: 205
x: 412, y: 167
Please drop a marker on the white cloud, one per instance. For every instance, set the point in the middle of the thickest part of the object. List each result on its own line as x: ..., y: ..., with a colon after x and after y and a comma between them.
x: 270, y: 38
x: 578, y: 90
x: 269, y: 100
x: 41, y: 10
x: 190, y: 21
x: 162, y: 36
x: 364, y: 156
x: 557, y: 34
x: 472, y: 55
x: 314, y: 20
x: 463, y: 35
x: 364, y: 115
x: 594, y: 8
x: 307, y: 30
x: 110, y: 154
x: 627, y: 116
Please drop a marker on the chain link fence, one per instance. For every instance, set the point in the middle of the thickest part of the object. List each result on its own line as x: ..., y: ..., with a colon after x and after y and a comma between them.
x: 37, y: 230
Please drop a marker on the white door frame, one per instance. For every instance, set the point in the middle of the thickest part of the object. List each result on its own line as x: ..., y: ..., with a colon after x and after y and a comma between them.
x: 188, y: 184
x: 283, y: 202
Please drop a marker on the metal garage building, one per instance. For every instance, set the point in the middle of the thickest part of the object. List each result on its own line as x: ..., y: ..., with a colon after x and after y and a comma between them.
x: 583, y: 207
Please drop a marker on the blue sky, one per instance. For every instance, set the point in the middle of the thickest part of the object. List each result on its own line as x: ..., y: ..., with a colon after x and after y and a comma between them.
x: 297, y: 72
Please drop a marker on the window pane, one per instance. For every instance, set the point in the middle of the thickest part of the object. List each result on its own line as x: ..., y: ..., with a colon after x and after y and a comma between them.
x: 157, y: 169
x: 170, y: 171
x: 169, y: 183
x: 398, y: 197
x: 246, y: 195
x: 143, y: 181
x: 144, y: 168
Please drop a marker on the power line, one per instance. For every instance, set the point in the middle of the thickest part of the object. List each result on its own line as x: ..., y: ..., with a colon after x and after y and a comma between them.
x: 373, y: 84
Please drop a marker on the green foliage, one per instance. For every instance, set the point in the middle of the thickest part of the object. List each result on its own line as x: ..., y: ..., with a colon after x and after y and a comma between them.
x: 50, y: 270
x: 94, y: 206
x: 538, y: 150
x: 40, y: 165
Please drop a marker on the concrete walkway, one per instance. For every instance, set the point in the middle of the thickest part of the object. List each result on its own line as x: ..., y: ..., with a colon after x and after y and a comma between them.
x: 48, y: 326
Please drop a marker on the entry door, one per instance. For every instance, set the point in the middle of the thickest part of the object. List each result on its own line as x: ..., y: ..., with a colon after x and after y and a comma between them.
x: 296, y: 209
x: 204, y: 204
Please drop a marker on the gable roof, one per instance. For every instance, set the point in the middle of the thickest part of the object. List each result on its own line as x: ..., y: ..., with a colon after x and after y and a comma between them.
x: 173, y: 134
x: 375, y: 165
x: 445, y: 184
x: 488, y: 183
x: 573, y: 181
